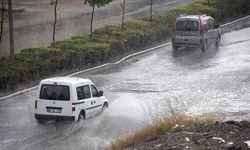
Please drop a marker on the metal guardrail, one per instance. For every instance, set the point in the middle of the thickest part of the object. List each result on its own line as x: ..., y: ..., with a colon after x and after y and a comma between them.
x: 236, y: 25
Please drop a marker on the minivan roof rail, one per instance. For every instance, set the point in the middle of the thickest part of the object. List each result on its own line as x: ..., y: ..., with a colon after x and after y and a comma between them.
x: 199, y: 14
x: 202, y: 15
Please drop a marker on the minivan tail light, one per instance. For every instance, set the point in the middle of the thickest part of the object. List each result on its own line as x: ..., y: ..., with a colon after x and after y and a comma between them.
x: 73, y: 107
x: 201, y: 28
x: 36, y: 104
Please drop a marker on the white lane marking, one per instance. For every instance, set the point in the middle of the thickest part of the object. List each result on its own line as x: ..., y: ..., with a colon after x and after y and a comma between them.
x: 94, y: 68
x: 17, y: 93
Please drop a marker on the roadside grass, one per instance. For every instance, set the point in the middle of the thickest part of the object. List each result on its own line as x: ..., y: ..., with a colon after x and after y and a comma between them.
x: 160, y: 127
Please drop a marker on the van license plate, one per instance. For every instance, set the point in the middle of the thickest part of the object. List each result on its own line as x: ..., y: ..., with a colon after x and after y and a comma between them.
x: 51, y: 110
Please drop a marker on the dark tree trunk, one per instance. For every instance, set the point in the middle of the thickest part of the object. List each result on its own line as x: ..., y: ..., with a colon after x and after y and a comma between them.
x: 11, y: 30
x: 123, y: 13
x: 92, y: 20
x: 151, y: 10
x: 55, y: 21
x: 2, y: 21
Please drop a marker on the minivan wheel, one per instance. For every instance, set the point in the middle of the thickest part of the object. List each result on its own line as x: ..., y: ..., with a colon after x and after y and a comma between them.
x: 41, y: 120
x: 174, y: 47
x: 104, y: 107
x: 217, y: 44
x: 81, y: 116
x: 204, y: 47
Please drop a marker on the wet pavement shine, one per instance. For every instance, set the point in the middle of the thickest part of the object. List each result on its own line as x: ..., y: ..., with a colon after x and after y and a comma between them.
x: 141, y: 90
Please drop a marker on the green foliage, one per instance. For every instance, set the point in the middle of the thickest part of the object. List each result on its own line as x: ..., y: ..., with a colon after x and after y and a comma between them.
x: 52, y: 2
x: 94, y: 53
x: 198, y: 8
x: 113, y: 36
x: 135, y: 39
x: 71, y: 43
x: 137, y: 25
x: 98, y: 3
x: 219, y: 9
x: 231, y: 8
x: 37, y: 62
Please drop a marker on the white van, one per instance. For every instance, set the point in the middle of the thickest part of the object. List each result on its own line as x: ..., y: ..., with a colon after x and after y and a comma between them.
x: 68, y: 97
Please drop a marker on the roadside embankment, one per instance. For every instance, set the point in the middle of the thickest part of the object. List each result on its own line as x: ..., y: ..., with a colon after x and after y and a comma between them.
x: 178, y: 132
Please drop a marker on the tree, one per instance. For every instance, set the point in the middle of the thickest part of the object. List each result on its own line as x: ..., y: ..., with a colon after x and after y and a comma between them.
x: 3, y: 4
x: 55, y: 3
x: 11, y: 30
x: 93, y: 3
x: 208, y: 2
x: 151, y: 10
x: 123, y: 13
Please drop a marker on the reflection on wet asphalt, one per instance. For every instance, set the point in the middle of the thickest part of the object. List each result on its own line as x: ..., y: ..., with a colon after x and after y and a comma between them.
x: 141, y: 90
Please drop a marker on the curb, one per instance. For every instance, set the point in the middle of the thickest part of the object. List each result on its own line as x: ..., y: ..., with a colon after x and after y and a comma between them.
x: 235, y: 21
x: 236, y: 24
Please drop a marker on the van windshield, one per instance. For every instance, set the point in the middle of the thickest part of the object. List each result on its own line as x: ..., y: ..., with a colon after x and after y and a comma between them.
x: 55, y: 92
x: 187, y: 25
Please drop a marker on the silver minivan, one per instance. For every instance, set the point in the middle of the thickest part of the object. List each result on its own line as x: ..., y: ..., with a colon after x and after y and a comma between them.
x: 195, y: 31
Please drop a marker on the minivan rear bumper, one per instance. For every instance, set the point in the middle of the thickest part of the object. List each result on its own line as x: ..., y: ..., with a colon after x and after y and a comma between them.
x: 54, y: 117
x: 188, y: 45
x: 179, y: 43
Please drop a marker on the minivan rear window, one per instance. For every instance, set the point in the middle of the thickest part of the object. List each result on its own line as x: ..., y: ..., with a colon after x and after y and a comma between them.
x: 187, y: 25
x: 55, y: 92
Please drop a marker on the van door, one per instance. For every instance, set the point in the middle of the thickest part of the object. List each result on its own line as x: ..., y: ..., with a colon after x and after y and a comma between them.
x: 212, y: 32
x: 96, y: 99
x: 84, y: 100
x: 54, y: 99
x: 187, y: 32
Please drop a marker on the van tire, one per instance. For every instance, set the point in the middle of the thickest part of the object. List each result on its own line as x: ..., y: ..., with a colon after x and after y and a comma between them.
x: 204, y: 47
x: 105, y: 106
x: 41, y: 120
x: 174, y: 47
x: 81, y: 115
x: 217, y: 44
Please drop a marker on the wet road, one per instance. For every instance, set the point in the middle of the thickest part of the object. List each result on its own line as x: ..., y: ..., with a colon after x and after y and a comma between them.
x: 140, y: 90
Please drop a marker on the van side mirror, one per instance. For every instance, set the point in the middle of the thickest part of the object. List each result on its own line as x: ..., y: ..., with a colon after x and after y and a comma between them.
x: 100, y: 93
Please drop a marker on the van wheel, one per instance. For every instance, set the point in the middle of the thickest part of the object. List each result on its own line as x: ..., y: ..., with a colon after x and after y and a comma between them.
x: 217, y: 44
x: 204, y: 47
x: 105, y: 106
x: 81, y: 116
x: 174, y: 47
x: 41, y: 120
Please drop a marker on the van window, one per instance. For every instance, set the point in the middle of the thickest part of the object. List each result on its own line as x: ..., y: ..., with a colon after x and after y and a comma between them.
x: 187, y: 25
x: 94, y: 91
x: 205, y: 25
x: 211, y: 25
x: 55, y: 92
x: 83, y: 92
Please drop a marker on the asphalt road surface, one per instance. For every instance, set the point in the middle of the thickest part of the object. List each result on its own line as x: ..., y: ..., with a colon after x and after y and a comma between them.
x: 141, y: 90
